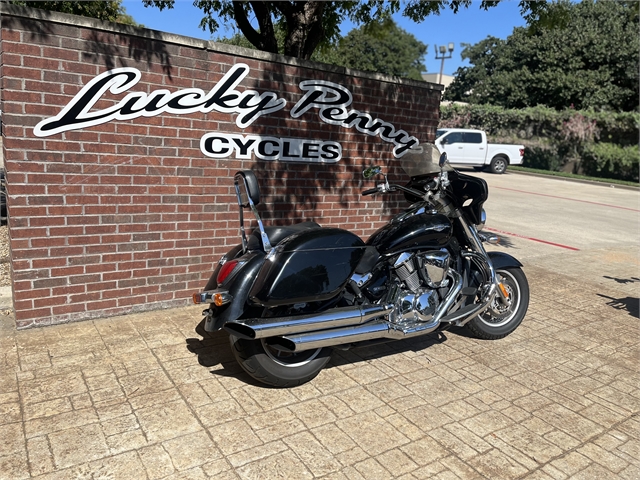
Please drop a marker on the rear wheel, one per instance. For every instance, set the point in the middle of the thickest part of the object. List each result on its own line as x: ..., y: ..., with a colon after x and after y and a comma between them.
x: 499, y: 320
x: 274, y: 367
x: 498, y: 165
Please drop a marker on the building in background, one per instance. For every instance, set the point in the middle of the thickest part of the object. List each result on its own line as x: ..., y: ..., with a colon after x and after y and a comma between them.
x: 435, y: 78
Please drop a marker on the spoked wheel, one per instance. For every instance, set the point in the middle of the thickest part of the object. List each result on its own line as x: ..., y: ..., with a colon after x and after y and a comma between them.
x: 500, y: 319
x: 277, y: 368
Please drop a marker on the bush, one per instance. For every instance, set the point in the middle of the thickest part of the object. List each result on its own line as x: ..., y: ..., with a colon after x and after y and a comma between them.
x: 607, y: 160
x: 542, y: 158
x: 539, y: 122
x: 556, y: 140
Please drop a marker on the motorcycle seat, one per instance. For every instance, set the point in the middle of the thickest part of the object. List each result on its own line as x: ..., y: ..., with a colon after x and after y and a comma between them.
x: 277, y: 233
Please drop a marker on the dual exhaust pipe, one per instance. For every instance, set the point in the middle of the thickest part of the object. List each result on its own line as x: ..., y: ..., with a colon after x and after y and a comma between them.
x: 345, y: 325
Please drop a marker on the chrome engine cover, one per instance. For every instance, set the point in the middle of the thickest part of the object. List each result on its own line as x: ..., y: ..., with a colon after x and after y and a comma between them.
x: 415, y: 307
x: 433, y: 266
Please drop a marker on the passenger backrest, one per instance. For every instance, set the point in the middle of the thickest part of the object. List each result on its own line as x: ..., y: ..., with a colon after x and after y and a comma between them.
x: 247, y: 187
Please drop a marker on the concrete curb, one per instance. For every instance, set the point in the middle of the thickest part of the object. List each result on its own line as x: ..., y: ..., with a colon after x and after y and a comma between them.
x: 577, y: 180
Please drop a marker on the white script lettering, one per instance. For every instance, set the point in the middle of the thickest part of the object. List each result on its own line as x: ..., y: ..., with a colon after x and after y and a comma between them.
x: 249, y: 104
x: 332, y: 101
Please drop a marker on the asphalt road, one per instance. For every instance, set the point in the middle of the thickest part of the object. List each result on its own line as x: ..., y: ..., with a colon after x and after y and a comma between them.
x: 590, y: 232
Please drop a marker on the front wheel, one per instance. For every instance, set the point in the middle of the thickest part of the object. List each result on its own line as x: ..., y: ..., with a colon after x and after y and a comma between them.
x: 274, y: 367
x: 499, y: 320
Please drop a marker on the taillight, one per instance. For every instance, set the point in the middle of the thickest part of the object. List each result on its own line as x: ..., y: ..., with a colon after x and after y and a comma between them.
x: 522, y: 152
x: 226, y: 270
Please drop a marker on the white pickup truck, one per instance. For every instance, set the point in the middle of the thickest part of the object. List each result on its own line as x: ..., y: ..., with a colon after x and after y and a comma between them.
x: 470, y: 148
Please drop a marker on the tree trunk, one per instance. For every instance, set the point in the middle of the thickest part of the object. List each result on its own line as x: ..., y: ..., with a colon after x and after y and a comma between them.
x: 304, y: 27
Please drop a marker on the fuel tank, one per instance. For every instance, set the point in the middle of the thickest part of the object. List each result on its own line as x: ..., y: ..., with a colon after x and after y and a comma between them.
x: 310, y: 266
x: 425, y: 230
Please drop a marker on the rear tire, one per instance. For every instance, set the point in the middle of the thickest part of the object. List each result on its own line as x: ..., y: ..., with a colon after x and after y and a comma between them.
x: 498, y: 165
x: 275, y: 368
x: 500, y: 320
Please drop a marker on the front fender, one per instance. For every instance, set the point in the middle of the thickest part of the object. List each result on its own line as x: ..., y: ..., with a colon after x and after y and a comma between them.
x: 503, y: 260
x: 239, y: 288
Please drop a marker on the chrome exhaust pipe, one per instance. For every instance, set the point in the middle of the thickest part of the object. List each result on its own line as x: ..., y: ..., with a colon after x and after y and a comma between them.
x: 376, y: 329
x: 253, y: 328
x: 338, y: 336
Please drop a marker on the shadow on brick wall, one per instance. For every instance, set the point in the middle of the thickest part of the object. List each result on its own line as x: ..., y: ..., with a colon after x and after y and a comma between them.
x: 149, y: 48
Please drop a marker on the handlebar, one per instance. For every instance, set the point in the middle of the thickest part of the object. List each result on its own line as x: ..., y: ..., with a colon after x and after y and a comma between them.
x: 371, y: 191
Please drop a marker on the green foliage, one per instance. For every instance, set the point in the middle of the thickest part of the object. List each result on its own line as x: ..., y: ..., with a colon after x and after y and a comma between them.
x: 379, y: 47
x: 553, y: 138
x: 110, y: 11
x: 581, y: 55
x: 309, y: 25
x: 539, y: 122
x: 611, y: 161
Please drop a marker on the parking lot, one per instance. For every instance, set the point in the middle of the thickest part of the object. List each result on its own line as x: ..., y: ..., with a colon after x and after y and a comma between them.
x: 149, y: 396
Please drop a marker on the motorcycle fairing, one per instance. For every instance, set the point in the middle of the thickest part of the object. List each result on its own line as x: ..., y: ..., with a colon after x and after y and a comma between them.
x: 310, y: 266
x: 464, y: 187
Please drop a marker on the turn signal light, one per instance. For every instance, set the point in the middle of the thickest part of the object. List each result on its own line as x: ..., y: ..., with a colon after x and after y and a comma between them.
x: 504, y: 290
x: 218, y: 298
x: 226, y: 270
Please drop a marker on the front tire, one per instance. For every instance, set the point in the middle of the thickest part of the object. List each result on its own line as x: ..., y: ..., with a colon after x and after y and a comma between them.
x: 275, y: 368
x: 498, y: 165
x: 500, y: 320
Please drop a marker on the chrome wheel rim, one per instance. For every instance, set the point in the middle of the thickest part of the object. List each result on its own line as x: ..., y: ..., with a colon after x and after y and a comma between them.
x: 287, y: 359
x: 499, y: 314
x: 499, y: 166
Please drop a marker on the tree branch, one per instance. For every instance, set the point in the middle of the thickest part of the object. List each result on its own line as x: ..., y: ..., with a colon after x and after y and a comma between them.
x: 248, y: 31
x: 267, y: 33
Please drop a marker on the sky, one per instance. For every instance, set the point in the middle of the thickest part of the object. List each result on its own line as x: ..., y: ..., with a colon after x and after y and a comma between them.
x: 467, y: 26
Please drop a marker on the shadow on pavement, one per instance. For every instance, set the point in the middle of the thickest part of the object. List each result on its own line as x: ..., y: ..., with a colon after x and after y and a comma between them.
x: 628, y: 304
x: 622, y: 281
x: 213, y: 350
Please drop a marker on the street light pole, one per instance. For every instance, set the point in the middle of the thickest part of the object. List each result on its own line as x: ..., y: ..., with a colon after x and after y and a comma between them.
x: 443, y: 56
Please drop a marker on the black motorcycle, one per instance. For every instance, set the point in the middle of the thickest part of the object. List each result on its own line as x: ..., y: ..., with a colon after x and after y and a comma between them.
x: 288, y: 293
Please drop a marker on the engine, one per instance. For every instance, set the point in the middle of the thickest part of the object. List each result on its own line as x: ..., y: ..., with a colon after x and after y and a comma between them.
x: 415, y: 293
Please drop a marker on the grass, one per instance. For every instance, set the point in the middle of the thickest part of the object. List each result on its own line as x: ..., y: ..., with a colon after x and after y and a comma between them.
x: 574, y: 176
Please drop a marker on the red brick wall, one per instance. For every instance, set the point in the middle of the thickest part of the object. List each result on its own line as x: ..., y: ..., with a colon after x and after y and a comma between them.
x: 131, y: 215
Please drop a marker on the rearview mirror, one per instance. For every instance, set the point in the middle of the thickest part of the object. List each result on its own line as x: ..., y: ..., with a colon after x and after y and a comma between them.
x: 443, y: 160
x: 372, y: 171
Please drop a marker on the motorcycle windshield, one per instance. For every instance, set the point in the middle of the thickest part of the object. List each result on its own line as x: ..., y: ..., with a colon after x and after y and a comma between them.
x: 423, y: 161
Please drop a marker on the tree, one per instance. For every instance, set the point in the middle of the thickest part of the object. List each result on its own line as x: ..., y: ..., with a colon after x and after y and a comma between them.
x: 110, y: 11
x: 307, y: 25
x: 379, y: 47
x: 376, y: 47
x: 310, y: 24
x: 580, y: 56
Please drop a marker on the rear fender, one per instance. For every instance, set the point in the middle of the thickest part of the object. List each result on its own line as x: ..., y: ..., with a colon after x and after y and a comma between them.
x: 238, y: 287
x: 503, y: 260
x: 235, y: 252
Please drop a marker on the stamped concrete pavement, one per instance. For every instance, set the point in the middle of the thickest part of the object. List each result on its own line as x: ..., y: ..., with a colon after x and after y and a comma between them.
x: 151, y: 396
